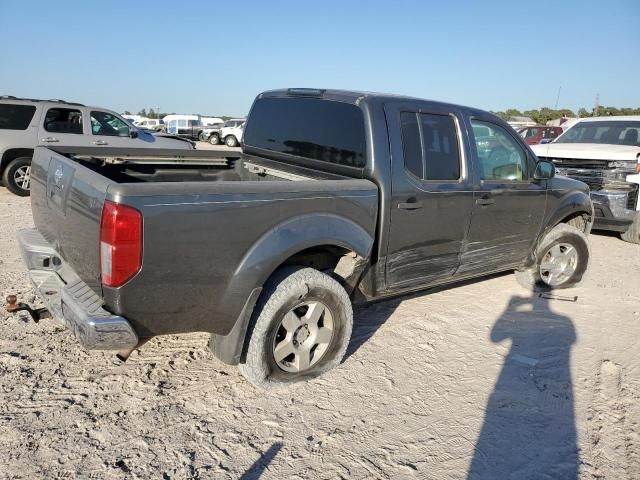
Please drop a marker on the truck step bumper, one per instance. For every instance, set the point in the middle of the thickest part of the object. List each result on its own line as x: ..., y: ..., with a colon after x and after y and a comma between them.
x: 70, y: 300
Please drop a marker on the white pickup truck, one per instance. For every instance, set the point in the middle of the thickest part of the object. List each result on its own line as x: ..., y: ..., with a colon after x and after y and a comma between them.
x: 604, y: 153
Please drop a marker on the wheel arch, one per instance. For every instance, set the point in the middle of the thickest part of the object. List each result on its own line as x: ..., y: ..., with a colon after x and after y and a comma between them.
x: 319, y: 241
x: 11, y: 154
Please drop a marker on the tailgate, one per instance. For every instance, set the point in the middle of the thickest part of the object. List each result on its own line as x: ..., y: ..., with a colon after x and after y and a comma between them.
x: 67, y: 200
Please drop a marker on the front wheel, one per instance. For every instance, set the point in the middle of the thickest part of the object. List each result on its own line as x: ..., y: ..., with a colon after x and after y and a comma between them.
x: 17, y: 176
x: 214, y: 139
x: 562, y: 259
x: 632, y: 235
x: 301, y: 328
x: 231, y: 141
x: 202, y: 137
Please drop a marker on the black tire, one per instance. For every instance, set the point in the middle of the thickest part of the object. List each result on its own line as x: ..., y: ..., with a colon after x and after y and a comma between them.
x: 202, y: 137
x: 562, y: 234
x: 632, y: 235
x: 285, y: 290
x: 12, y: 174
x: 231, y: 141
x: 214, y: 139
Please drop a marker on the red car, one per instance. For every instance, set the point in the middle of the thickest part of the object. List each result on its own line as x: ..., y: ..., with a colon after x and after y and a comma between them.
x: 539, y: 134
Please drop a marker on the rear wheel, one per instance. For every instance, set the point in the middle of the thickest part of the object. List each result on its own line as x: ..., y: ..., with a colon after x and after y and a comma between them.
x: 231, y: 141
x: 202, y: 137
x: 17, y: 176
x: 214, y: 139
x: 562, y: 259
x: 301, y: 328
x: 632, y: 235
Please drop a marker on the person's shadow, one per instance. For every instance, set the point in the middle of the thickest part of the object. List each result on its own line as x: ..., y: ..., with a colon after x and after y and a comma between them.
x: 529, y: 428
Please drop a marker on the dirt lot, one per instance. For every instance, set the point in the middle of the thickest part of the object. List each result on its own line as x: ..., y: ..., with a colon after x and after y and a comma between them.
x: 481, y: 381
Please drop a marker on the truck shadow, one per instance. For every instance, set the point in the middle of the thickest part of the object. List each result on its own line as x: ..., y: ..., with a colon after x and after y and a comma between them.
x: 529, y: 427
x: 368, y: 318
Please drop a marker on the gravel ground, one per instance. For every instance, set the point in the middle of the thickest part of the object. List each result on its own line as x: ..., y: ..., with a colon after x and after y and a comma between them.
x: 481, y: 380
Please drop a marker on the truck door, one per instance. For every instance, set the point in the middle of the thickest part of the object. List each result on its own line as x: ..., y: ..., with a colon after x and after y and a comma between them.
x: 509, y: 204
x: 172, y: 127
x: 62, y: 126
x: 431, y: 201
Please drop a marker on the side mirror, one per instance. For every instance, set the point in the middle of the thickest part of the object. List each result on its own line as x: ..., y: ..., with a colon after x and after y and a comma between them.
x: 133, y: 133
x: 544, y: 170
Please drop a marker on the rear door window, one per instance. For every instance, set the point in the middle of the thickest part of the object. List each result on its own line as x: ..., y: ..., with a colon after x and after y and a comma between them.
x: 308, y: 128
x: 63, y: 120
x: 16, y: 117
x: 430, y: 145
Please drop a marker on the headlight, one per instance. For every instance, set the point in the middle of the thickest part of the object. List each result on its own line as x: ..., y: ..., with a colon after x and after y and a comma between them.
x: 629, y: 165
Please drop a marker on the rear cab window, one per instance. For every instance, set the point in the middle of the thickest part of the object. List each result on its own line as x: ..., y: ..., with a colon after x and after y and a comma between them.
x: 16, y: 117
x: 307, y: 131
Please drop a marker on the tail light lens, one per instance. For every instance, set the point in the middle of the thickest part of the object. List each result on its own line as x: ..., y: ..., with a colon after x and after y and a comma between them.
x: 120, y: 243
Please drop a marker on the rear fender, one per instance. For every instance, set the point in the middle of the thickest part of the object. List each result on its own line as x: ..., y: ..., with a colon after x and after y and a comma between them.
x: 270, y: 252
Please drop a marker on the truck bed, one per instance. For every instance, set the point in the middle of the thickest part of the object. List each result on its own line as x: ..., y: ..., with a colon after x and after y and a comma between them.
x: 204, y: 216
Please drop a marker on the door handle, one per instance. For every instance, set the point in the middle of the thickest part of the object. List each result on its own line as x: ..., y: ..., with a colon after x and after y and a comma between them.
x: 410, y: 205
x: 100, y: 142
x: 50, y: 140
x: 485, y: 201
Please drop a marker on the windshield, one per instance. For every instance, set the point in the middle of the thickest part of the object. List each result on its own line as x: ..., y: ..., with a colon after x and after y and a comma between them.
x: 615, y: 132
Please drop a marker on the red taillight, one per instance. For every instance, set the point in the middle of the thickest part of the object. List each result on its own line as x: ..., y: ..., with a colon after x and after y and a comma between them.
x: 120, y: 243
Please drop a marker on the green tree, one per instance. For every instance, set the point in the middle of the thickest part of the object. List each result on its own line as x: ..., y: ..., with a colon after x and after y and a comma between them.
x: 143, y: 112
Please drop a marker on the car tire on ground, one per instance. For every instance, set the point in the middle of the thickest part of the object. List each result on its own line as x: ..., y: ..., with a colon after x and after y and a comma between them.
x: 231, y: 141
x: 300, y: 328
x: 17, y: 176
x: 562, y: 260
x: 214, y: 139
x: 632, y: 235
x: 202, y: 137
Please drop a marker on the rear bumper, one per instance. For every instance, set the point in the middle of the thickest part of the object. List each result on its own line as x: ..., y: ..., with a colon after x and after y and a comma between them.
x: 70, y: 300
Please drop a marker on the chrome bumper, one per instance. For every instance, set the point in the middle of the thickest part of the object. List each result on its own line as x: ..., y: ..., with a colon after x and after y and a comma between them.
x: 70, y: 300
x: 614, y: 201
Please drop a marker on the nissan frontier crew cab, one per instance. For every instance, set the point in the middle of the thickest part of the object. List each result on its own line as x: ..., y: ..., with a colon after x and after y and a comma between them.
x: 337, y: 197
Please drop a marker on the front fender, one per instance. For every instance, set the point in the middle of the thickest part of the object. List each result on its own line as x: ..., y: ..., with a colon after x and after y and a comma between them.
x: 267, y: 254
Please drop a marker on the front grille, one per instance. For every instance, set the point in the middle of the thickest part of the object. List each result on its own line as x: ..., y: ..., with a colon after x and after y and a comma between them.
x: 632, y: 198
x: 577, y: 162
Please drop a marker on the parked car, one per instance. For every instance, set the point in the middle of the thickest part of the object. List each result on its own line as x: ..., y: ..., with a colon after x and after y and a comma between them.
x: 187, y: 126
x: 539, y: 134
x: 214, y: 136
x: 151, y: 124
x: 232, y: 136
x: 603, y: 152
x: 26, y: 123
x: 209, y: 130
x: 338, y: 197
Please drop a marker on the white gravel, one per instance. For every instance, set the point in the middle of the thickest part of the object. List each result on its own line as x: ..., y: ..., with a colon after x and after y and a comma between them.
x: 476, y: 381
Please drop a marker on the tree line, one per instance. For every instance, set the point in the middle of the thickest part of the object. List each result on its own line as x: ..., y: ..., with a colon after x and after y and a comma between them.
x: 545, y: 114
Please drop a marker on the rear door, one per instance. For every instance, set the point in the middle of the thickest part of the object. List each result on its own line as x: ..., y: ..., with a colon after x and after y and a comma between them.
x: 431, y: 197
x: 509, y: 204
x: 62, y: 125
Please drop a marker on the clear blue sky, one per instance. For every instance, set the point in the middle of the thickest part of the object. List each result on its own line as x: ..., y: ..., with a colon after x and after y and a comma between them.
x: 214, y: 57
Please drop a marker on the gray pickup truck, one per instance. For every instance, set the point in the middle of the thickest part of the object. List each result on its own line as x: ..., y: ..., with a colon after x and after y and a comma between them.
x: 337, y: 197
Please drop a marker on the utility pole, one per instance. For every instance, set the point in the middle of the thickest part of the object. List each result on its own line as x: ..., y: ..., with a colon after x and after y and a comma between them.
x: 558, y: 97
x: 595, y: 109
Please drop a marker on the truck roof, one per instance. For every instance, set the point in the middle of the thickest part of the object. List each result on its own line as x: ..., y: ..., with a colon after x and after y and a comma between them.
x: 357, y: 96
